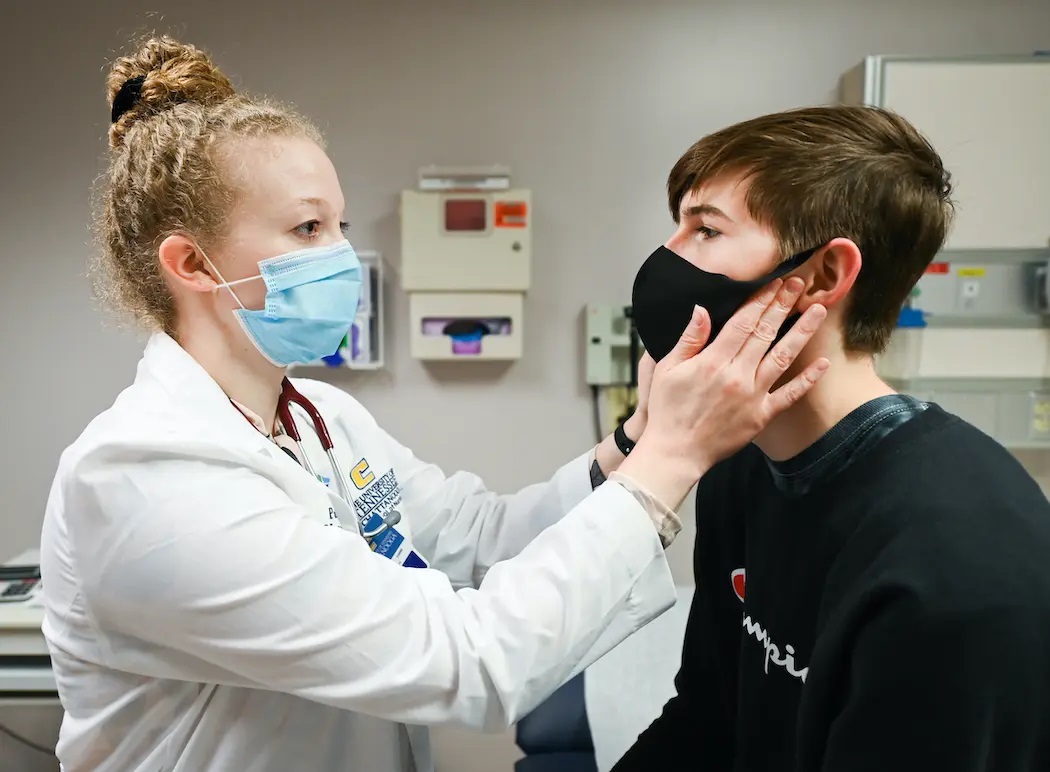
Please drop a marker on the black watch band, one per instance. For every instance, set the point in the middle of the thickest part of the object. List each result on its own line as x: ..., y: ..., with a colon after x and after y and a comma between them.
x: 623, y: 442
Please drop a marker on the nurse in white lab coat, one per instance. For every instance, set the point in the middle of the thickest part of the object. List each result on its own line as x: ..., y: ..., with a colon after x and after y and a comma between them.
x: 210, y: 605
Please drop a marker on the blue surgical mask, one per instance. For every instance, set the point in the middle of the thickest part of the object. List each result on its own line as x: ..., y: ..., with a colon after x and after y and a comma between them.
x: 311, y: 300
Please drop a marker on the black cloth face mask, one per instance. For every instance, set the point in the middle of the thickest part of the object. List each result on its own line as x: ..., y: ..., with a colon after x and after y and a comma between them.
x: 667, y: 288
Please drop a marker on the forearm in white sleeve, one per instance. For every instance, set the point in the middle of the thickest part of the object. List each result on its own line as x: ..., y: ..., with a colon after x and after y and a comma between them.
x: 259, y: 594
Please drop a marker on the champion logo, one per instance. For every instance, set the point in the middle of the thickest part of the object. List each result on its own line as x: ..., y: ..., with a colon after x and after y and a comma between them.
x: 785, y: 659
x: 773, y: 654
x: 739, y: 580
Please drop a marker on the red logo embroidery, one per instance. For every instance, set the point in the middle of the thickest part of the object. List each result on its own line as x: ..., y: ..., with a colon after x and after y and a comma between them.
x: 739, y: 579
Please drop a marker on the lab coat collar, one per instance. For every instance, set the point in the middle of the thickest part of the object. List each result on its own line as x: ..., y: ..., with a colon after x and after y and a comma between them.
x: 204, y: 407
x: 190, y: 387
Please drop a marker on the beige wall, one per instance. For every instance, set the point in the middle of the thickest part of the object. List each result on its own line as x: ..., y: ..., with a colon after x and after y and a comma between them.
x: 589, y: 101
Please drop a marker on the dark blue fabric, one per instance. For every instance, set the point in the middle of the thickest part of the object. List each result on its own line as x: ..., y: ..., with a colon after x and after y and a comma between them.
x: 579, y: 761
x: 557, y: 724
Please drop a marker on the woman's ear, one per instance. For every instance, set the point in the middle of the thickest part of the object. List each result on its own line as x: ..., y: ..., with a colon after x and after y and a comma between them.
x: 830, y: 274
x: 182, y: 261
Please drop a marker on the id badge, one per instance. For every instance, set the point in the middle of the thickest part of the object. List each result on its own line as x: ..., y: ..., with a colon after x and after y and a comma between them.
x: 393, y: 545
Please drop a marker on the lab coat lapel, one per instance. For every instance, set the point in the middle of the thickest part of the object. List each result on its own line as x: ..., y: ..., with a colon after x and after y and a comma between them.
x: 196, y: 393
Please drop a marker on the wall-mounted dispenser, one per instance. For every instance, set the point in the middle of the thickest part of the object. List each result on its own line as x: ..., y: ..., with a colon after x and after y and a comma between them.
x: 465, y: 263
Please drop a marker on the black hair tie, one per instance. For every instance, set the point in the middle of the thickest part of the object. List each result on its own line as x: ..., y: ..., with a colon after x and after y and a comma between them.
x: 127, y: 97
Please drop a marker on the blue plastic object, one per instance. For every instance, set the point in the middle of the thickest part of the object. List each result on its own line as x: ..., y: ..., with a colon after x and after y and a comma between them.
x: 911, y: 317
x: 466, y: 335
x: 334, y: 360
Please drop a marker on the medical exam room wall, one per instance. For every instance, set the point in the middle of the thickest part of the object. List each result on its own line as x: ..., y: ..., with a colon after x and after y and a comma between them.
x: 588, y: 101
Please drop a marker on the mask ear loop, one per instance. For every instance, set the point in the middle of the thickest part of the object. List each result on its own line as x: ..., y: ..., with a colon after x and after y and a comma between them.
x: 226, y: 284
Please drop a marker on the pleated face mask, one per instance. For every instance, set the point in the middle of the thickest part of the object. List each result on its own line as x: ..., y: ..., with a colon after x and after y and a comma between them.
x: 311, y: 299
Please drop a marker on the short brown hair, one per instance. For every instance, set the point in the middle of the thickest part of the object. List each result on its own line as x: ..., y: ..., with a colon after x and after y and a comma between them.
x: 165, y: 170
x: 843, y: 171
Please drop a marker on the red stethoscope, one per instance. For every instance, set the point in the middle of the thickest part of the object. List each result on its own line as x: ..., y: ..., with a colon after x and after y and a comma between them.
x: 291, y: 396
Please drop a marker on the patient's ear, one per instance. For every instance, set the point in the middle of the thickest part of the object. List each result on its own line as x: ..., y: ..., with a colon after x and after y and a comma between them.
x: 829, y: 274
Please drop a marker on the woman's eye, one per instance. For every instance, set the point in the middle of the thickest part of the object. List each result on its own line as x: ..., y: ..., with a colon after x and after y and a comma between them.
x: 707, y: 233
x: 309, y: 229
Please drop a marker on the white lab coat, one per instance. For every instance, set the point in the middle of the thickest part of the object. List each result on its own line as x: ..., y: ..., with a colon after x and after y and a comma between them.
x: 204, y: 613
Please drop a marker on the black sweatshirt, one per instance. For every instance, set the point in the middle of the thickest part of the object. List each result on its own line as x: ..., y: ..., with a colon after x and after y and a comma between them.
x: 881, y: 602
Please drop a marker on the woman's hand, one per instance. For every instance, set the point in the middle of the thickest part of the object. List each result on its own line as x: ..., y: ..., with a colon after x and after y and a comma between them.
x: 635, y: 425
x: 708, y: 401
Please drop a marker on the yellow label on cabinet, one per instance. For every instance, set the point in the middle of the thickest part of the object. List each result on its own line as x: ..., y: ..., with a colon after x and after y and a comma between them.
x: 972, y: 272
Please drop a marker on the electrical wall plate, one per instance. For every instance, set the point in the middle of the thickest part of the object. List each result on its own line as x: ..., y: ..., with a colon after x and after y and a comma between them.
x: 607, y: 344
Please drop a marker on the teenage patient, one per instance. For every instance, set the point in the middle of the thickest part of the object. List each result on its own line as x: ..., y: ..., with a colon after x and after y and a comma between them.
x: 872, y: 573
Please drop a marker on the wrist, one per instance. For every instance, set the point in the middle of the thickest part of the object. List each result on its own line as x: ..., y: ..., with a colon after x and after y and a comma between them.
x: 634, y: 426
x: 667, y: 472
x: 611, y: 451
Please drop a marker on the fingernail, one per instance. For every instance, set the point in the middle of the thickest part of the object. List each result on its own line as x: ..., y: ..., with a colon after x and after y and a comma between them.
x: 795, y: 284
x: 698, y: 315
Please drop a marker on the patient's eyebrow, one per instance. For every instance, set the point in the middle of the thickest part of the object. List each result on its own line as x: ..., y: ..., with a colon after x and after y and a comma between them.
x: 705, y: 209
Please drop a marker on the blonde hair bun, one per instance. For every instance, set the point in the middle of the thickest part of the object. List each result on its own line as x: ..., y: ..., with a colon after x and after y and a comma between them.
x: 161, y: 74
